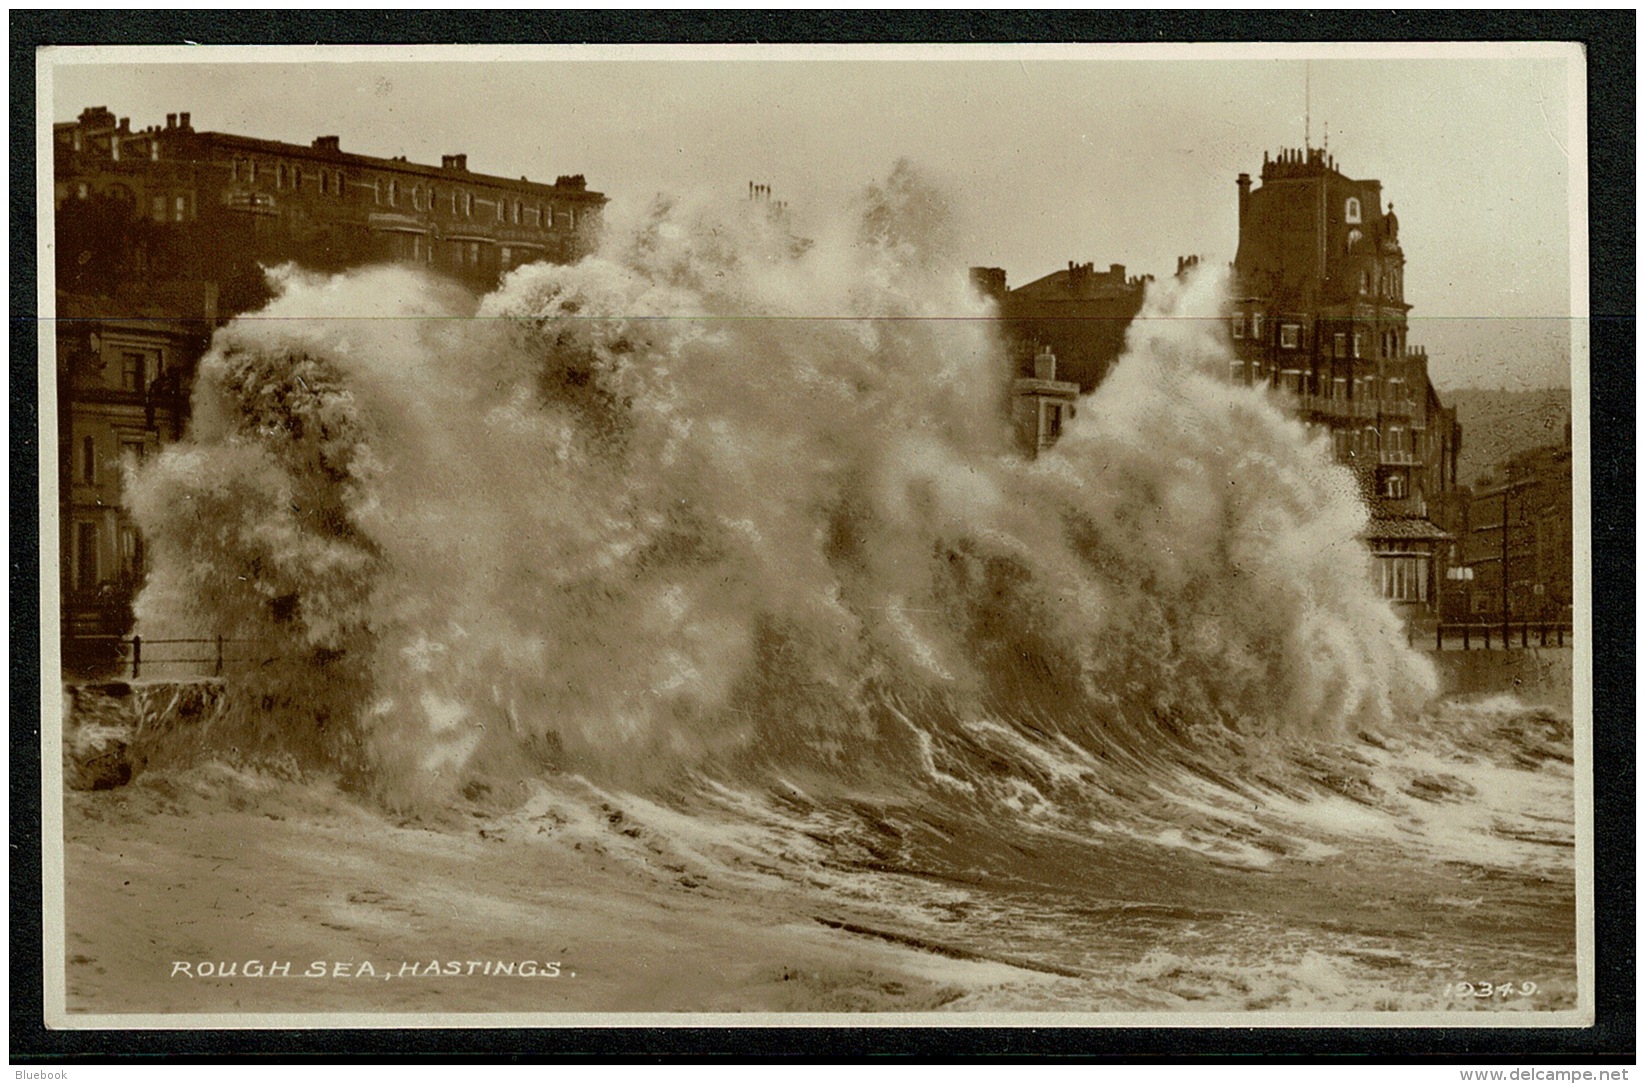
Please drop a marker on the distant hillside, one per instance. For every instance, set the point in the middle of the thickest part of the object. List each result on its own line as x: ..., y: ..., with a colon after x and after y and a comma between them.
x: 1498, y: 424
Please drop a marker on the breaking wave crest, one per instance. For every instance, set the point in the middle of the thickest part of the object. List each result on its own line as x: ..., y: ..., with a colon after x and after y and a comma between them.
x: 714, y: 503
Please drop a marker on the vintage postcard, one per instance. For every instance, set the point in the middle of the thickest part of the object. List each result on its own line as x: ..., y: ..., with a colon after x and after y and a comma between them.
x: 1010, y: 535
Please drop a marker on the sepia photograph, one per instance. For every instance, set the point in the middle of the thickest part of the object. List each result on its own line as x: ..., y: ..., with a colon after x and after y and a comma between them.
x: 1008, y: 535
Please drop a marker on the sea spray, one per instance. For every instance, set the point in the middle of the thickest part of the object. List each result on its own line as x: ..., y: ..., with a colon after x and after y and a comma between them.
x: 714, y: 499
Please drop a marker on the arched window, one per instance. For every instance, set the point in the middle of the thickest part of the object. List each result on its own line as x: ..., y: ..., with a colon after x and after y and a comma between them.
x: 1350, y: 212
x: 1353, y: 239
x: 296, y: 176
x: 393, y: 193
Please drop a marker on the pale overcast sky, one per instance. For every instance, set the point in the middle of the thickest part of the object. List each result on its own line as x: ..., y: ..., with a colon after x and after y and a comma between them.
x: 1114, y: 160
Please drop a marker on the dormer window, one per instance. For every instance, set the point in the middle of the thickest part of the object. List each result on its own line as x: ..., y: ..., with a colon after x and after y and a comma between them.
x: 1350, y: 212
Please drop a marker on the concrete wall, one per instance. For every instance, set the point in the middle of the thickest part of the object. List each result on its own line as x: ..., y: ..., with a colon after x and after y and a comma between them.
x: 1535, y: 675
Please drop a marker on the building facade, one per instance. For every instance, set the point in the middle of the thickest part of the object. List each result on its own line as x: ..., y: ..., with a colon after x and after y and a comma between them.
x: 233, y: 198
x: 1041, y: 405
x: 163, y: 233
x: 1318, y: 311
x: 1080, y: 314
x: 1519, y: 519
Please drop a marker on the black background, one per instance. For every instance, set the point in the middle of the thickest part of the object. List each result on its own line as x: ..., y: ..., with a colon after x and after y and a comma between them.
x: 1609, y: 38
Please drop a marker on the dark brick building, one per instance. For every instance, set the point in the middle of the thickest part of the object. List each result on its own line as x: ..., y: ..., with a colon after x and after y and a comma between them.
x: 1080, y: 314
x: 1519, y: 518
x: 1318, y: 311
x: 162, y: 233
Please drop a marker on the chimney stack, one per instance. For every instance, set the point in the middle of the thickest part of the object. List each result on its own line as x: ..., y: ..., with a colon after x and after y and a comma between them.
x: 457, y: 163
x: 182, y: 121
x: 1045, y: 364
x: 171, y: 121
x: 327, y: 143
x: 1244, y: 183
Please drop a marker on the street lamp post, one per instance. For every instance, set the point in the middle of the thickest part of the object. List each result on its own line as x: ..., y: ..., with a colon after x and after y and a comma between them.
x: 1505, y: 562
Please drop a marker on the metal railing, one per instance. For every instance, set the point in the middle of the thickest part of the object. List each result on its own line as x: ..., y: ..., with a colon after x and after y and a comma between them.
x: 133, y: 657
x: 1472, y: 635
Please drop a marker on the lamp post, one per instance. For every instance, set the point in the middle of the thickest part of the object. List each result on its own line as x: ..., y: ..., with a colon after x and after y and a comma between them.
x: 1463, y: 574
x: 1504, y: 562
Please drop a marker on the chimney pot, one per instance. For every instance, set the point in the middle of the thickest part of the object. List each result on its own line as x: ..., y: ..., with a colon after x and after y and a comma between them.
x: 182, y: 120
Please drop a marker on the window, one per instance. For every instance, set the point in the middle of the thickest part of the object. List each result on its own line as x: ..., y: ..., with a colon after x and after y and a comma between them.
x: 1339, y: 345
x: 134, y: 450
x: 376, y: 192
x: 1237, y: 325
x: 85, y: 562
x: 1404, y: 578
x: 131, y: 371
x: 82, y: 191
x: 516, y: 212
x: 393, y: 193
x: 234, y: 169
x: 131, y: 554
x: 251, y: 170
x: 297, y: 177
x: 1350, y: 212
x: 507, y: 255
x: 1353, y: 239
x: 88, y: 461
x: 1256, y: 326
x: 1290, y: 335
x: 1365, y: 282
x: 280, y: 175
x: 468, y: 205
x: 416, y: 197
x: 157, y: 208
x: 1359, y: 343
x: 474, y: 253
x: 154, y: 150
x: 180, y: 207
x: 432, y: 195
x: 1053, y: 421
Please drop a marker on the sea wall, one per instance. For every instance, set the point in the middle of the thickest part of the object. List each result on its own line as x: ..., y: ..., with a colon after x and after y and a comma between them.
x: 1535, y: 675
x: 112, y: 729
